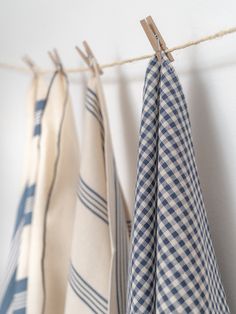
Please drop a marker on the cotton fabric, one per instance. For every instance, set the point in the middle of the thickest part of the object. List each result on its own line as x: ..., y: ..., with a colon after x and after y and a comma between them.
x: 173, y: 267
x: 99, y: 259
x: 14, y: 287
x: 39, y: 259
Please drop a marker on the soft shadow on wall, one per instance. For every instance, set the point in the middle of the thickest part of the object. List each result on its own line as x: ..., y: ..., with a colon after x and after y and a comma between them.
x: 213, y: 177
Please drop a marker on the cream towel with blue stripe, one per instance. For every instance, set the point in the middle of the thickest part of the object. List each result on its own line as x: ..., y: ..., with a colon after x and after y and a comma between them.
x: 55, y: 203
x: 14, y: 288
x: 98, y: 271
x: 41, y: 243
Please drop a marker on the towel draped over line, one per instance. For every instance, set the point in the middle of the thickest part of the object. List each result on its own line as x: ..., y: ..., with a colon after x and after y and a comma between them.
x: 99, y: 261
x: 63, y: 205
x: 70, y: 245
x: 36, y: 278
x: 173, y: 266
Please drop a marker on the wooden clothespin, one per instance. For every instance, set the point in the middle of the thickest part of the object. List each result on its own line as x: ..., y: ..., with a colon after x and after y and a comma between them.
x: 155, y: 38
x: 54, y: 56
x: 89, y: 57
x: 31, y: 64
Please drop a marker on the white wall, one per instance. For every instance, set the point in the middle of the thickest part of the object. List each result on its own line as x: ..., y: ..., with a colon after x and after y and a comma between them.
x: 207, y: 72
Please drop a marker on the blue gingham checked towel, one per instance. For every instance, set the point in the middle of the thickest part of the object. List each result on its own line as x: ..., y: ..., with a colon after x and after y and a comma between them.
x: 173, y: 266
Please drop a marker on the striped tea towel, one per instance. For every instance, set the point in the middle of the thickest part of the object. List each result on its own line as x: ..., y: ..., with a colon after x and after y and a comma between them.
x: 173, y: 266
x: 46, y: 212
x: 14, y: 287
x: 99, y: 261
x: 54, y: 204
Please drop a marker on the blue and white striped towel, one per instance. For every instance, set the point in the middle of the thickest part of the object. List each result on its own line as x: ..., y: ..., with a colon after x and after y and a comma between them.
x: 14, y: 288
x: 37, y: 271
x: 99, y: 260
x: 173, y: 266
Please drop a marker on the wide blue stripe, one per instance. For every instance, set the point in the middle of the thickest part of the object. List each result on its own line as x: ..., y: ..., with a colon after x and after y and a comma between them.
x: 37, y: 129
x: 21, y: 285
x: 29, y: 191
x: 20, y: 311
x: 21, y: 209
x: 28, y: 218
x: 39, y: 107
x: 8, y: 296
x: 40, y: 104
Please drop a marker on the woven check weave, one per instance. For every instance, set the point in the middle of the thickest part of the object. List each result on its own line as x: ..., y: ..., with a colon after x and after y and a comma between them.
x: 173, y: 267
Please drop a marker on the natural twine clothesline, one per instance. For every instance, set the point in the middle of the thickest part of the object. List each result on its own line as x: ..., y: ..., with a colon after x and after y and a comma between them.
x: 121, y: 62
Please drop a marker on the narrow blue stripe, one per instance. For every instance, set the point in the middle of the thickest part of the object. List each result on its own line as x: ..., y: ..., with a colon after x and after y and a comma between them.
x: 97, y: 293
x: 92, y: 92
x: 99, y: 196
x: 96, y: 117
x: 86, y: 199
x: 89, y: 208
x: 87, y: 289
x: 118, y: 271
x: 95, y: 110
x: 89, y: 298
x: 94, y: 104
x: 85, y: 190
x: 80, y: 297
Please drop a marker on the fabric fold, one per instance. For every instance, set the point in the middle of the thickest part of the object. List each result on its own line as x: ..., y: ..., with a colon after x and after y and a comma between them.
x: 14, y: 289
x: 55, y: 202
x: 99, y: 258
x: 41, y: 242
x: 173, y: 266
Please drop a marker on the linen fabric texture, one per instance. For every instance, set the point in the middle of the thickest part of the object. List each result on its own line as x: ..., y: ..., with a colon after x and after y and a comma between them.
x: 36, y: 278
x: 173, y: 267
x: 99, y: 258
x: 70, y: 244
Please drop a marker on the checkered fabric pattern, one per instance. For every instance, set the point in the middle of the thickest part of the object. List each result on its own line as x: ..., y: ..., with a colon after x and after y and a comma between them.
x: 173, y: 267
